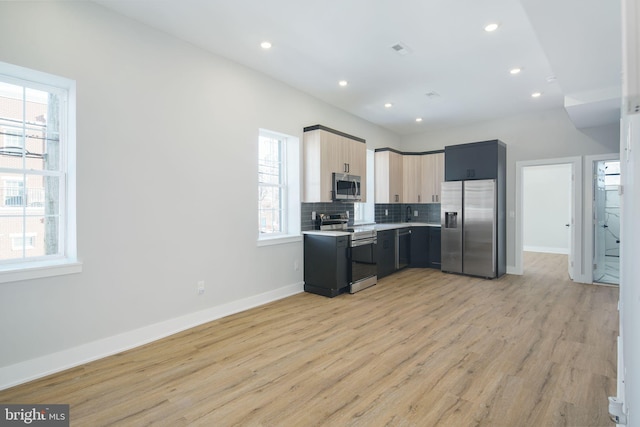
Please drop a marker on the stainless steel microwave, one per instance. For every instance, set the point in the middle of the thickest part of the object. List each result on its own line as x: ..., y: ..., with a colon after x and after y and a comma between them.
x: 346, y: 187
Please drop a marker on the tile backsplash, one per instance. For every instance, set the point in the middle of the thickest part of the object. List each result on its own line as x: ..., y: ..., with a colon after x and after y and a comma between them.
x: 307, y: 223
x: 427, y: 212
x: 384, y: 213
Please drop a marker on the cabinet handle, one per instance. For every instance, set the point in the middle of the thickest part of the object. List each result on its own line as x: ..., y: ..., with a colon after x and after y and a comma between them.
x: 418, y: 198
x: 397, y: 198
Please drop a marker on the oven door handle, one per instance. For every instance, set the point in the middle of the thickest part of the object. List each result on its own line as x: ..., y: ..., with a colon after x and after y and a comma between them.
x: 364, y: 242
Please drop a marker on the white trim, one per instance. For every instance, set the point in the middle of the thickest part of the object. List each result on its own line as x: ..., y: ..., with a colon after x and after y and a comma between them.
x: 279, y: 240
x: 546, y: 249
x: 38, y: 270
x: 577, y: 246
x: 588, y: 209
x: 51, y: 363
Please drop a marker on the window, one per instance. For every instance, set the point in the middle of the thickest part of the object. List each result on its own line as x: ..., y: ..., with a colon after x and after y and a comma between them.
x: 37, y: 208
x: 278, y: 186
x: 272, y: 184
x: 364, y: 213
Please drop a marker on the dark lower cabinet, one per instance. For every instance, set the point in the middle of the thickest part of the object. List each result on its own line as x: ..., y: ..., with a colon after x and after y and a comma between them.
x: 326, y: 265
x: 386, y: 252
x: 425, y: 247
x: 419, y: 247
x: 434, y: 247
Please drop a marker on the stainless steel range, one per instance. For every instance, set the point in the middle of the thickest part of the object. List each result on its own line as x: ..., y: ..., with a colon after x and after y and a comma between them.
x: 363, y: 268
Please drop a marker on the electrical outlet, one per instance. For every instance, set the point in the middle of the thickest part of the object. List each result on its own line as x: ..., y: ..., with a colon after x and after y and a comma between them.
x: 386, y: 212
x: 415, y: 213
x: 313, y: 216
x: 200, y: 287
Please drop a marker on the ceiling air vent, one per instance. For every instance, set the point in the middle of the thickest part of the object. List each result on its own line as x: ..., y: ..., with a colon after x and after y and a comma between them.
x: 400, y: 49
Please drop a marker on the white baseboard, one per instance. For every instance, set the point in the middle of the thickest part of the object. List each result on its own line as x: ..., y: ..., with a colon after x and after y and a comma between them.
x: 547, y: 250
x: 29, y: 370
x: 511, y: 269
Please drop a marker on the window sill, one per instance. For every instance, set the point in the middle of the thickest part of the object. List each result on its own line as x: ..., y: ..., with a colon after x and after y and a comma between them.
x: 279, y: 240
x: 38, y: 270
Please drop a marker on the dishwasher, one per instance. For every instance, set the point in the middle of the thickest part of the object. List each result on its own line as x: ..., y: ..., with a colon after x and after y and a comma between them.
x: 403, y: 247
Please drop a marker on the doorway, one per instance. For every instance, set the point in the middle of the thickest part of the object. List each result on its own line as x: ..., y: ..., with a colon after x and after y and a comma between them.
x: 546, y: 210
x: 606, y: 222
x: 571, y: 227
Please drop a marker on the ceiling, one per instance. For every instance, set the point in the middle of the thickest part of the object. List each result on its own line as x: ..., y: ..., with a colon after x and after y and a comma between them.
x: 453, y: 73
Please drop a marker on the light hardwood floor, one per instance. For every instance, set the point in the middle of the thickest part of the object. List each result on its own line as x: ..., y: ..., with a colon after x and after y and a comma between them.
x: 421, y: 348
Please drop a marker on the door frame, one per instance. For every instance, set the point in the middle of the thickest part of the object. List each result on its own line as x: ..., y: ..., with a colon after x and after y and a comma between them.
x: 577, y: 221
x: 589, y: 162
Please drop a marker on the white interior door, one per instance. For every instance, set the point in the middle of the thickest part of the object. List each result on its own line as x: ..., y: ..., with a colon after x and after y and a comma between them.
x: 572, y: 228
x: 599, y: 220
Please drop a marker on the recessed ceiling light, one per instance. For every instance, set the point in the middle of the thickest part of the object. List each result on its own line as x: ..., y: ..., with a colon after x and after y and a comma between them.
x: 388, y: 105
x: 265, y: 45
x: 536, y: 94
x: 491, y: 27
x: 343, y: 83
x: 515, y: 70
x: 419, y: 119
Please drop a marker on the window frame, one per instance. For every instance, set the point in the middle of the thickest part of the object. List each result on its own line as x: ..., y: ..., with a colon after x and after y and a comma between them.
x: 66, y: 261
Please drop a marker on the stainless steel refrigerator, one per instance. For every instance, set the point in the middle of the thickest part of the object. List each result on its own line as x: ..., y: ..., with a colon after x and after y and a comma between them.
x: 469, y: 219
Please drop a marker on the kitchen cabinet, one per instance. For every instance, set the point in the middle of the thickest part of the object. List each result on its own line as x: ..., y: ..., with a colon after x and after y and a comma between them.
x: 386, y: 252
x: 326, y: 265
x: 388, y: 176
x: 425, y: 247
x: 419, y: 247
x: 434, y: 247
x: 432, y: 177
x: 413, y: 178
x: 423, y: 173
x: 408, y: 177
x: 478, y: 160
x: 327, y: 151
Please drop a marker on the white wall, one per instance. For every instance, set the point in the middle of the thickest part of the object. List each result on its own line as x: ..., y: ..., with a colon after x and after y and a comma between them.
x: 546, y: 135
x: 546, y: 203
x: 629, y: 357
x: 167, y: 186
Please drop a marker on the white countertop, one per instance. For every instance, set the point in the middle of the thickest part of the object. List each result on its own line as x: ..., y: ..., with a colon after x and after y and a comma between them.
x: 377, y: 227
x: 393, y: 225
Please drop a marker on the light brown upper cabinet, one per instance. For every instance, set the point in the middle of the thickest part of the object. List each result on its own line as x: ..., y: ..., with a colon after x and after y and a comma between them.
x: 388, y: 176
x: 325, y: 152
x: 433, y: 175
x: 408, y: 177
x: 413, y: 179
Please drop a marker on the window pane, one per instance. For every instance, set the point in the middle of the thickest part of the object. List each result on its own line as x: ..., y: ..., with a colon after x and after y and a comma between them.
x: 11, y: 97
x: 270, y: 160
x: 11, y: 227
x: 270, y: 210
